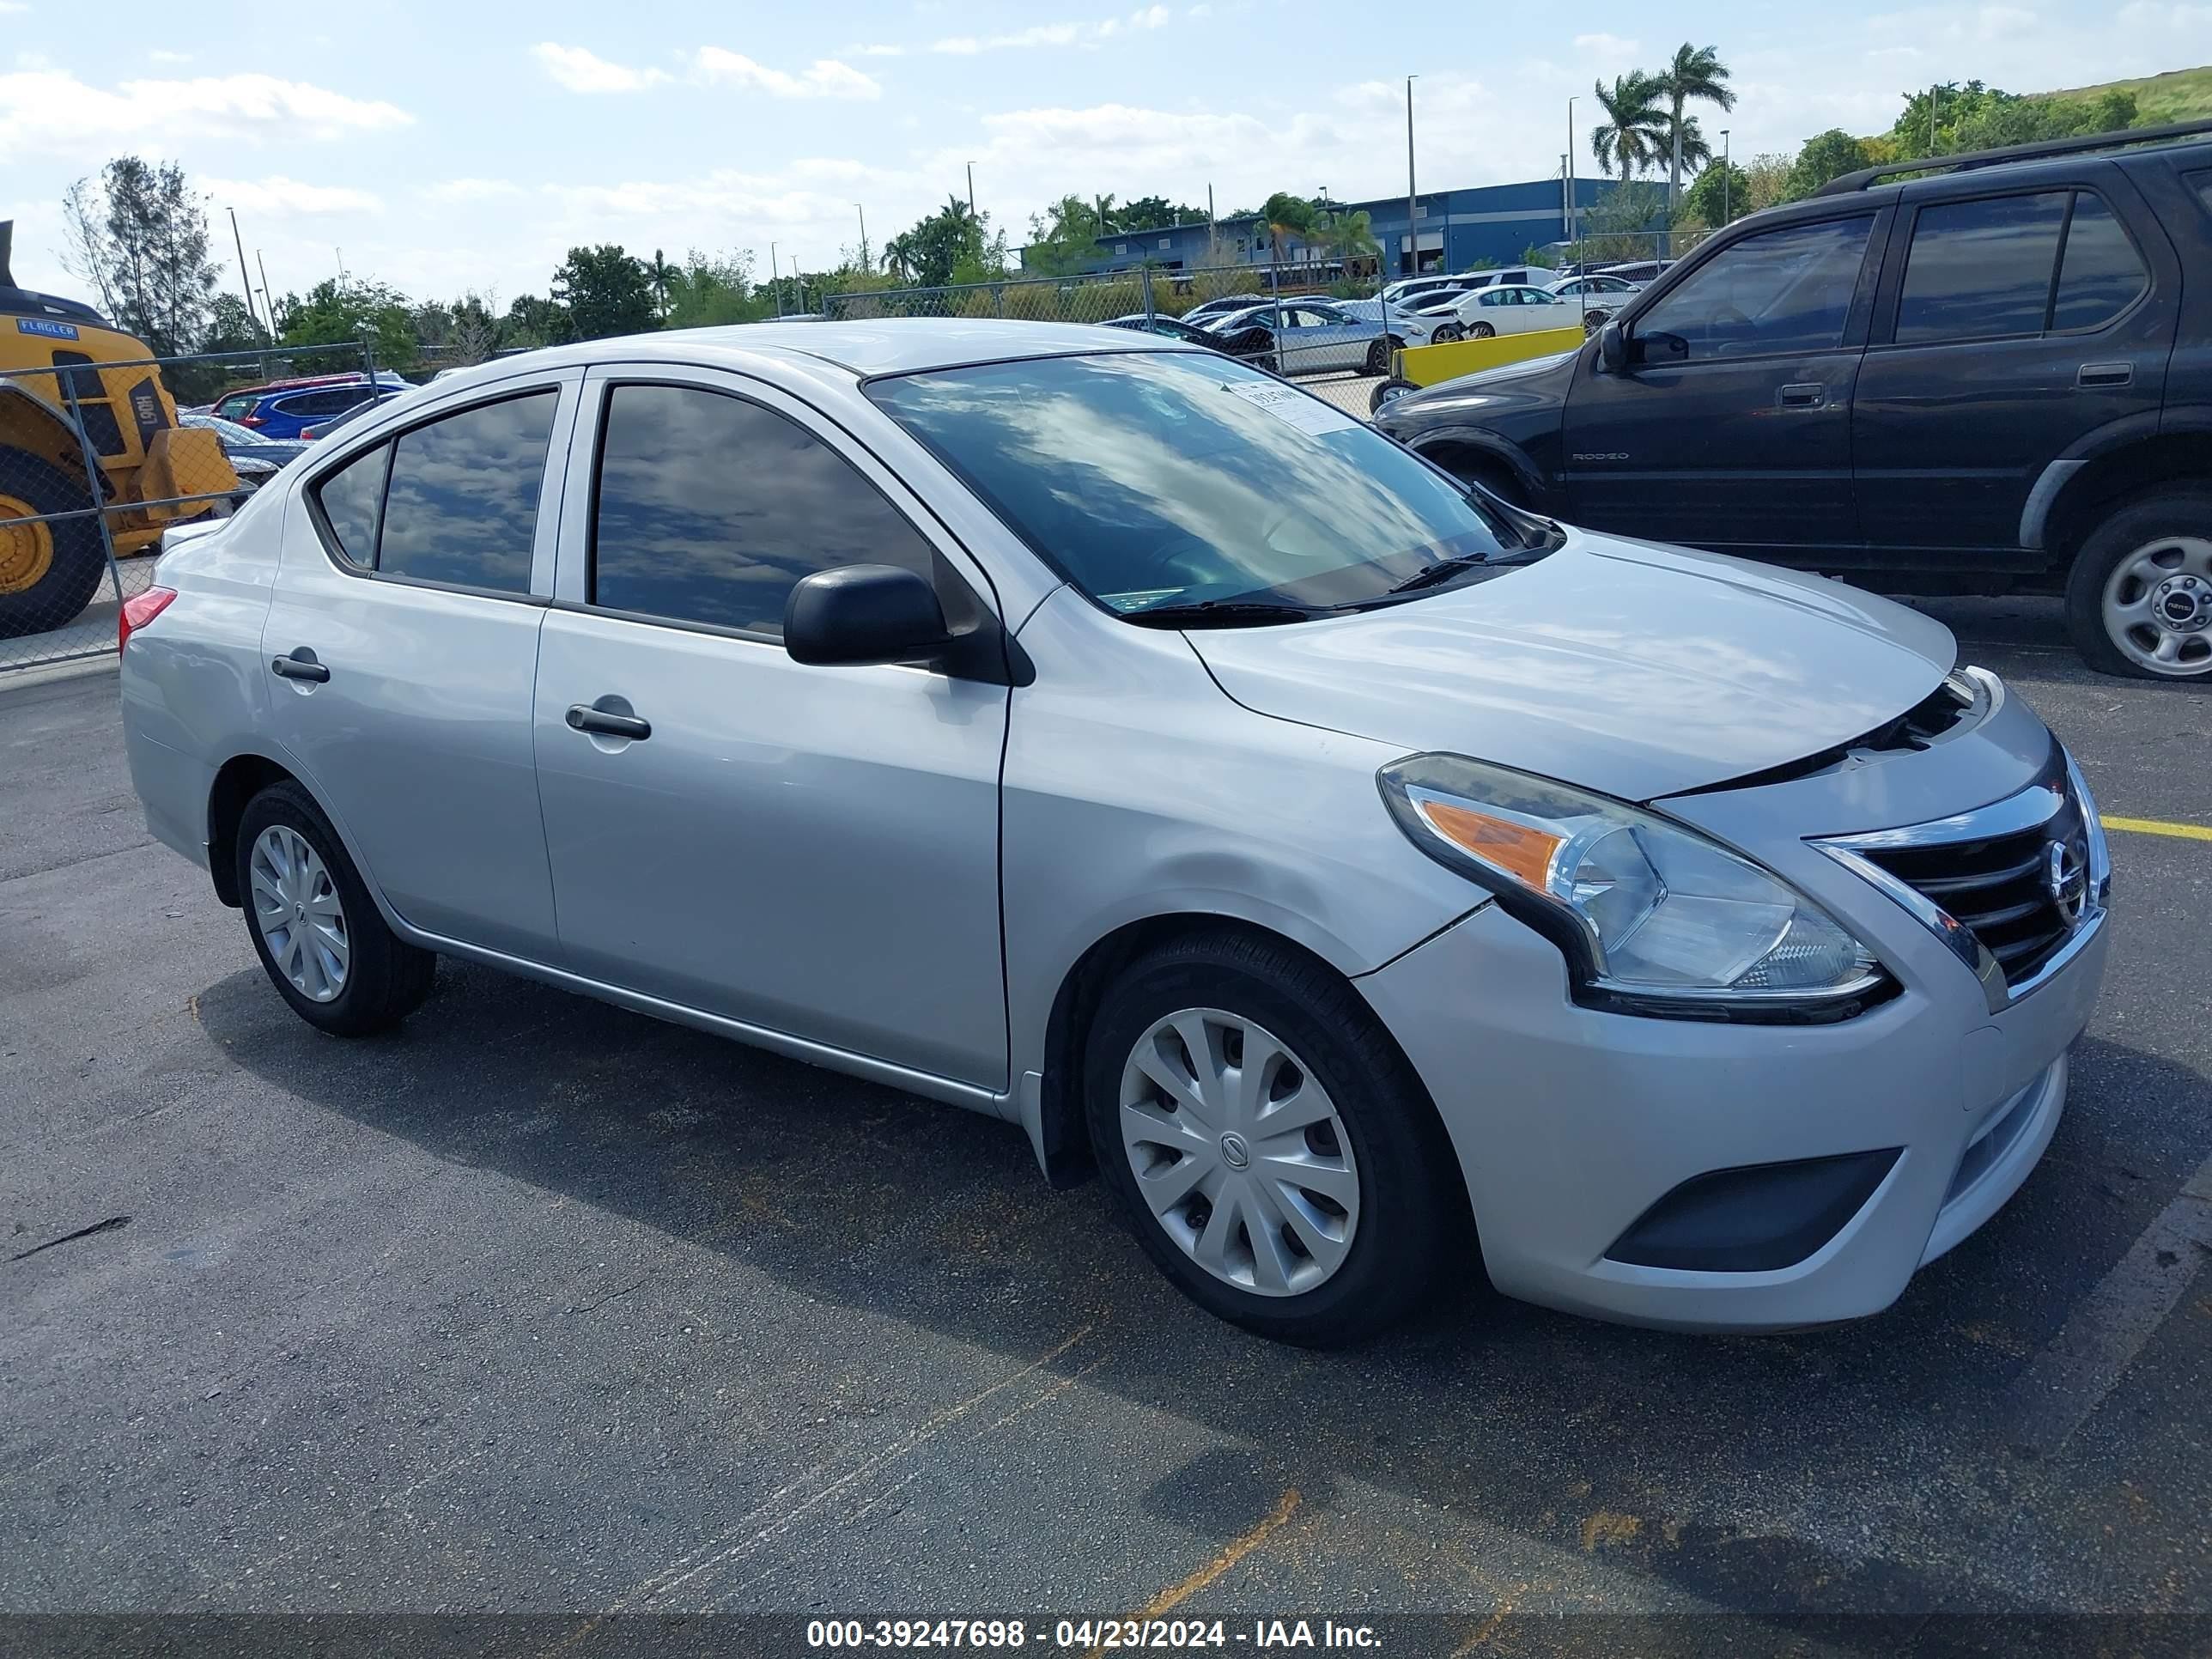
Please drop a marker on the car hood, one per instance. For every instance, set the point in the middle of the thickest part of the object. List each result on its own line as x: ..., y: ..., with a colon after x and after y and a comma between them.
x: 1636, y: 670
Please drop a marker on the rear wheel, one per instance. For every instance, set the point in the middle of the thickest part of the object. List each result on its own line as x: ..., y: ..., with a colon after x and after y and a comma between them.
x: 2139, y: 597
x: 1447, y: 333
x: 1267, y: 1142
x: 1481, y: 332
x: 49, y: 569
x: 326, y: 948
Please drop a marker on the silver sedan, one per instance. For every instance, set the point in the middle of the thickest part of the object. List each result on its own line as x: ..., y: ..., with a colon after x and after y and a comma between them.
x: 1104, y: 736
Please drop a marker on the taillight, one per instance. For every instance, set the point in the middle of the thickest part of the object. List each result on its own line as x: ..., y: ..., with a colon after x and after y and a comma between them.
x: 249, y: 420
x: 139, y: 610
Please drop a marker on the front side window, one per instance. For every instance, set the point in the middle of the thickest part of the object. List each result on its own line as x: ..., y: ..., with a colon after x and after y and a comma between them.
x: 710, y: 509
x: 1782, y: 290
x: 1980, y: 270
x: 1171, y: 479
x: 462, y: 503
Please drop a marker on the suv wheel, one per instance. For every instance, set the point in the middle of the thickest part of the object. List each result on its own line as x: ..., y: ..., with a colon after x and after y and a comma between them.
x: 1267, y: 1142
x: 318, y: 933
x: 2139, y: 597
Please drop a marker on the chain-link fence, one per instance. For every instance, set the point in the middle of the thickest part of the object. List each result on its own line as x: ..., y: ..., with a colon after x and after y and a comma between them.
x: 103, y: 450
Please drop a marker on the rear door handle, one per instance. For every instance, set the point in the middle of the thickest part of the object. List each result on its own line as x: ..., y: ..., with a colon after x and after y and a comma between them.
x: 299, y: 665
x: 2105, y: 375
x: 1806, y: 394
x: 582, y: 717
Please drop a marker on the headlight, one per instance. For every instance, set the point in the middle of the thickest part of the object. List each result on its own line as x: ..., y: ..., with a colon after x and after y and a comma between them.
x: 1653, y: 918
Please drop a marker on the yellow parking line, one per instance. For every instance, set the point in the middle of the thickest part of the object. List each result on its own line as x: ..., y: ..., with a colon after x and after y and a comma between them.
x: 2160, y: 827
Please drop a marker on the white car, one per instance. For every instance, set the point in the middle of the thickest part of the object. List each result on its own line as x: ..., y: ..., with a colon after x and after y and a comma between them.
x: 1597, y: 291
x: 1507, y: 308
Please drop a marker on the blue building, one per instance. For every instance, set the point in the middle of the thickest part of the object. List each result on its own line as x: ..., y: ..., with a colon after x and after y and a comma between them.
x: 1453, y: 230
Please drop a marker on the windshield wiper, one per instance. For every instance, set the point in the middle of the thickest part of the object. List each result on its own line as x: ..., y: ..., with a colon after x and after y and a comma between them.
x: 1442, y: 571
x: 1221, y: 613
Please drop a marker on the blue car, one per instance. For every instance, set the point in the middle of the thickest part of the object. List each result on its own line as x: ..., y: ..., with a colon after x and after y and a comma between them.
x: 284, y: 412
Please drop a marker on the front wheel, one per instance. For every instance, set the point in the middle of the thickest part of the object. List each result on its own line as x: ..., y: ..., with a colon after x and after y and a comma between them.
x: 1378, y: 355
x: 1387, y: 392
x: 1273, y: 1150
x: 2139, y: 597
x: 50, y: 567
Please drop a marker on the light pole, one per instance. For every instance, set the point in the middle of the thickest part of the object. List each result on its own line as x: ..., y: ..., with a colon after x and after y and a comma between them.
x: 971, y: 189
x: 774, y: 280
x: 1572, y: 203
x: 1725, y: 179
x: 863, y: 212
x: 244, y: 280
x: 1412, y: 231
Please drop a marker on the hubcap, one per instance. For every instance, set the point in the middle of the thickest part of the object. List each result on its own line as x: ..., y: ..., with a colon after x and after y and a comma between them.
x: 1239, y: 1152
x: 296, y: 908
x: 27, y: 550
x: 2158, y: 607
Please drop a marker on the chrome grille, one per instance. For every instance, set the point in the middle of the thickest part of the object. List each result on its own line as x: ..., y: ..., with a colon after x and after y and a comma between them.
x: 2001, y: 889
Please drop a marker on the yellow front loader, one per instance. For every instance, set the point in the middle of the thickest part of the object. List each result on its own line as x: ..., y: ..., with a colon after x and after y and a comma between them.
x: 89, y: 392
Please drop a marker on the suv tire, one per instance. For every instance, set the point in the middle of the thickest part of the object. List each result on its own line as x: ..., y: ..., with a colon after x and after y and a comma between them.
x: 1374, y: 1137
x: 318, y: 934
x: 2151, y: 555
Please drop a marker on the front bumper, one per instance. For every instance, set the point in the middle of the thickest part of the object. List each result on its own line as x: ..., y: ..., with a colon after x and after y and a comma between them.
x: 1586, y: 1137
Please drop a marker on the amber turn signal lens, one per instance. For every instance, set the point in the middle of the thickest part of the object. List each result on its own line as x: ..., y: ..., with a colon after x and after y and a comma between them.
x: 1523, y: 853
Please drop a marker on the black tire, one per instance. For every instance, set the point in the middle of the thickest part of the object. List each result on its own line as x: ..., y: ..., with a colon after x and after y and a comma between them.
x: 1406, y: 1171
x: 1481, y: 332
x: 73, y: 574
x: 387, y: 979
x: 1446, y: 333
x: 1387, y: 391
x: 2128, y: 527
x: 1378, y: 355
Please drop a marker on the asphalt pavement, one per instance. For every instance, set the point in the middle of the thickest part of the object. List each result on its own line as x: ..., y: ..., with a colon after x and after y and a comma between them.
x: 540, y: 1306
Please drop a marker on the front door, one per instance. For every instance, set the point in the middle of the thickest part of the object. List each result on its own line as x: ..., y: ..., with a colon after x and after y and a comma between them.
x: 1984, y: 369
x: 401, y: 647
x: 810, y: 850
x: 1730, y: 427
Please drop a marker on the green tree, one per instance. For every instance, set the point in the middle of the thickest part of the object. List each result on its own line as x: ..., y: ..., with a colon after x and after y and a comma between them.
x: 606, y: 292
x: 1721, y: 195
x: 1064, y: 239
x: 1155, y: 213
x: 657, y: 276
x: 1290, y: 219
x: 927, y: 255
x: 1953, y: 118
x: 334, y: 312
x: 532, y: 321
x: 1825, y: 156
x: 232, y: 327
x: 140, y: 237
x: 1694, y: 75
x: 1629, y: 137
x: 1766, y: 179
x: 705, y: 291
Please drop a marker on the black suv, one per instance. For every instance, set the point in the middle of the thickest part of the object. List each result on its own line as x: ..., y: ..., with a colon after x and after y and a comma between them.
x: 1994, y: 376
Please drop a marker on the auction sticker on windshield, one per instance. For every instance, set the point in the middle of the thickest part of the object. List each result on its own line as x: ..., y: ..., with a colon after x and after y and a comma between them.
x: 1288, y: 403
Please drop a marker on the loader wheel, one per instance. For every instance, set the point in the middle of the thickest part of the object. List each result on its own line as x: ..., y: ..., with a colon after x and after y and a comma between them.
x: 49, y: 567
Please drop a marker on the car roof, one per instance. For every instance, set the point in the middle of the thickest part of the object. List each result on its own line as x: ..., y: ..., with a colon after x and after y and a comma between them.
x: 888, y: 346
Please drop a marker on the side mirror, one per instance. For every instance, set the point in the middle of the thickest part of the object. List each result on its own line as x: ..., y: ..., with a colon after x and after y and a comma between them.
x: 1613, y: 348
x: 864, y: 613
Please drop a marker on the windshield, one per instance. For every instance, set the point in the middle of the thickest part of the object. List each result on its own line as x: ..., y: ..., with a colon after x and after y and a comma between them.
x: 1152, y: 479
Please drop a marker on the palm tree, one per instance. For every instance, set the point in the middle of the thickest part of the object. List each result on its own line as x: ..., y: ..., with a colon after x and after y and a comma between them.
x: 1289, y: 218
x: 657, y: 276
x: 1634, y: 123
x: 1698, y: 75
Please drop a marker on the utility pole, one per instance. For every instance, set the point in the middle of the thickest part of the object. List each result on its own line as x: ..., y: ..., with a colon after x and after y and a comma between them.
x: 267, y: 304
x: 342, y: 274
x: 244, y: 280
x: 1412, y: 230
x: 774, y: 280
x: 1931, y: 119
x: 863, y: 212
x: 971, y: 189
x: 1725, y: 179
x: 1572, y: 203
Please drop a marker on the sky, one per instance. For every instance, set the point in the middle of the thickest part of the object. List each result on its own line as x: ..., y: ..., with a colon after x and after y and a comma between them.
x: 466, y: 146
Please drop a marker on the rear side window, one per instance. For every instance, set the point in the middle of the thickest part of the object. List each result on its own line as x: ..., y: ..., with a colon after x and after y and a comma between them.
x: 462, y: 504
x: 2101, y: 274
x: 352, y: 501
x: 1980, y: 270
x: 711, y: 509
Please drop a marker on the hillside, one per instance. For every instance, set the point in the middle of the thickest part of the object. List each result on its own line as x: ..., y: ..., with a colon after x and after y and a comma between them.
x: 2176, y: 95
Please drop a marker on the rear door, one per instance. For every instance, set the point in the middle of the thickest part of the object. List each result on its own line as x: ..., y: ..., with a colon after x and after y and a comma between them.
x: 402, y: 648
x: 2012, y: 323
x: 1730, y: 428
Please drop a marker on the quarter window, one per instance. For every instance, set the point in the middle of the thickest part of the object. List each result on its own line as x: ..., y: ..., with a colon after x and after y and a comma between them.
x: 2101, y: 274
x: 1980, y: 270
x: 1782, y: 290
x: 710, y: 509
x: 462, y: 505
x: 353, y: 501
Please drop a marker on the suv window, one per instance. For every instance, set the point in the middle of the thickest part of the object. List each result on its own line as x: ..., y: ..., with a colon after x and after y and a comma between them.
x: 2101, y: 273
x: 462, y: 505
x: 311, y: 403
x: 1782, y: 290
x: 232, y: 408
x: 1980, y: 270
x: 710, y: 509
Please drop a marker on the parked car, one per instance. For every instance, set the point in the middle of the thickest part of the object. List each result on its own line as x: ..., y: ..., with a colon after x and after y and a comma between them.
x: 287, y: 411
x: 1407, y: 325
x: 1306, y: 337
x: 1642, y: 272
x: 1174, y: 328
x: 1986, y: 379
x: 1359, y: 873
x: 1507, y: 308
x: 1223, y: 305
x: 325, y: 427
x: 1596, y: 291
x: 255, y: 458
x: 1415, y: 290
x: 1517, y: 276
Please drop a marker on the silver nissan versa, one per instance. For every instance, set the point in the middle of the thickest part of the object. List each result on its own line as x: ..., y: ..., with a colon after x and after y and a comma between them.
x: 1357, y: 872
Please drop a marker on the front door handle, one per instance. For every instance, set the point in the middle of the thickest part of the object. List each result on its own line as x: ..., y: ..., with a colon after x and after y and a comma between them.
x: 2100, y: 375
x: 1805, y: 394
x: 582, y: 717
x: 299, y: 665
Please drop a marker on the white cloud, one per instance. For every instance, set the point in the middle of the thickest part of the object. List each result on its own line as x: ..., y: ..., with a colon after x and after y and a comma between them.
x: 878, y: 50
x: 1065, y: 34
x: 280, y: 196
x: 2145, y: 14
x: 161, y: 55
x: 581, y: 70
x: 471, y: 190
x: 53, y: 111
x: 824, y: 78
x: 12, y: 8
x: 1607, y: 46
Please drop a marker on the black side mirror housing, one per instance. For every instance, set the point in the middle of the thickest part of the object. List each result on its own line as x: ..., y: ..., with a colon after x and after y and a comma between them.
x: 1612, y: 347
x: 864, y: 613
